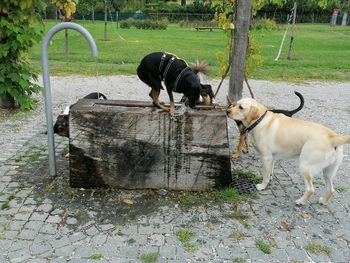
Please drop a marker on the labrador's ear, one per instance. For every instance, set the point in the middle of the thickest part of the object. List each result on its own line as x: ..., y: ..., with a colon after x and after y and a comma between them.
x: 229, y: 101
x: 253, y: 115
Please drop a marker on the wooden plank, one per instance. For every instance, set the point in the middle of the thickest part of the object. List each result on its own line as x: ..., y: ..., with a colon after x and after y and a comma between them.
x: 138, y: 146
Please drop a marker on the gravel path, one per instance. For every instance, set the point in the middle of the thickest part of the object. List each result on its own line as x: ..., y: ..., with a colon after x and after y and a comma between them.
x: 43, y: 220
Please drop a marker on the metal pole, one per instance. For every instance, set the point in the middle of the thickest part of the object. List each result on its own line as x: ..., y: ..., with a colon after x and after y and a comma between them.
x: 293, y: 29
x: 46, y: 81
x: 282, y: 42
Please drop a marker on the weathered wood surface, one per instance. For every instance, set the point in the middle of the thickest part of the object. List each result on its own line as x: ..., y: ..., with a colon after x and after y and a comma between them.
x: 137, y: 146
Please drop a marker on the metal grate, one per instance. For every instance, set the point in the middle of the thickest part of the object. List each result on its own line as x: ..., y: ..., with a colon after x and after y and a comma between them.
x: 243, y: 185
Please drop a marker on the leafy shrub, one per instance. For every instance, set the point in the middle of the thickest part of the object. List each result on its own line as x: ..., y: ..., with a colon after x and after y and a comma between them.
x: 17, y: 36
x: 264, y: 23
x: 127, y: 23
x: 144, y: 24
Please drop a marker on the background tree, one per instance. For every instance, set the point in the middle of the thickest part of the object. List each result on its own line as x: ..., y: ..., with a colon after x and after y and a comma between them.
x: 238, y: 52
x: 66, y: 9
x: 17, y: 36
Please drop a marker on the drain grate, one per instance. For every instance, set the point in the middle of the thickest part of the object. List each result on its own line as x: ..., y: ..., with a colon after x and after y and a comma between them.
x: 243, y: 185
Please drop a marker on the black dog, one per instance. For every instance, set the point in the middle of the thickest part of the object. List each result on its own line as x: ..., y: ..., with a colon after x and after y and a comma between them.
x: 177, y: 76
x: 61, y: 126
x: 242, y: 145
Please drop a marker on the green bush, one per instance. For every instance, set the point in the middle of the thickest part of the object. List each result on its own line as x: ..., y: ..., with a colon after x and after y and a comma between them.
x: 144, y: 24
x: 264, y: 23
x: 127, y: 23
x: 17, y: 36
x: 198, y: 23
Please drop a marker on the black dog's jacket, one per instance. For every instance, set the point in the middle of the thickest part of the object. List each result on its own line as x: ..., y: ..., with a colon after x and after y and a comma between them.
x: 61, y: 126
x: 174, y: 72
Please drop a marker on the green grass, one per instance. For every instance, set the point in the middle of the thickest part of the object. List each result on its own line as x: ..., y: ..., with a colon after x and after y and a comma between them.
x: 218, y: 196
x: 318, y: 248
x: 185, y: 235
x: 238, y: 235
x: 96, y: 256
x: 341, y: 189
x: 6, y: 204
x: 150, y: 257
x: 239, y: 260
x: 320, y: 52
x: 264, y: 247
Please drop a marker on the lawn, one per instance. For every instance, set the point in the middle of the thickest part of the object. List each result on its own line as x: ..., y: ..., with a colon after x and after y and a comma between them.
x: 320, y: 52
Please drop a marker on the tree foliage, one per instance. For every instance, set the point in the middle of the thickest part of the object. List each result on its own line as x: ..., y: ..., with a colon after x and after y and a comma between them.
x: 66, y: 8
x: 17, y: 36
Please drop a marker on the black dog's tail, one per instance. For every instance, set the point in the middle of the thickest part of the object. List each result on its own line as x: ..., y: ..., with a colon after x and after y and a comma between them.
x: 200, y: 67
x: 292, y: 112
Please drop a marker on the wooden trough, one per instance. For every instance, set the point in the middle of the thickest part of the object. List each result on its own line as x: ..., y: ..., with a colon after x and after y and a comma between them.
x: 133, y: 145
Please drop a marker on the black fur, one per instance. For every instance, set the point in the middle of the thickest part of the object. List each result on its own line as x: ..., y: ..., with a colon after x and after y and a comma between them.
x: 150, y: 73
x: 290, y: 113
x: 61, y: 126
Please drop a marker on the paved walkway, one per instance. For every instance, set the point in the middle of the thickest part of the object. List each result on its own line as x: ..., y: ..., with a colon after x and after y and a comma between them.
x: 42, y: 219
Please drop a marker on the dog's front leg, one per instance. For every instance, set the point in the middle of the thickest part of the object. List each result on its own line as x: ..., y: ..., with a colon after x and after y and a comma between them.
x: 241, y: 144
x: 267, y: 172
x: 155, y: 97
x: 172, y: 103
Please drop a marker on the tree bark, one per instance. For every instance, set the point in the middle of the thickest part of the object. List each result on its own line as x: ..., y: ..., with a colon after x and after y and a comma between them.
x: 240, y: 42
x: 7, y: 101
x: 66, y: 42
x: 105, y: 30
x: 345, y: 16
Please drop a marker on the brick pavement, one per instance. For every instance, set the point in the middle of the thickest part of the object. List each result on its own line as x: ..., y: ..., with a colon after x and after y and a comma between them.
x: 42, y: 219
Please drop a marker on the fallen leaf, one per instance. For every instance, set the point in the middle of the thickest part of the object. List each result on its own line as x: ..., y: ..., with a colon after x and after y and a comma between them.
x: 127, y: 201
x: 306, y: 216
x: 287, y: 227
x: 202, y: 208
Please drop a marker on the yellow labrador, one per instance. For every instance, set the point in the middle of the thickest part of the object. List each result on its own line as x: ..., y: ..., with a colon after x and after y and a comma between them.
x: 277, y: 136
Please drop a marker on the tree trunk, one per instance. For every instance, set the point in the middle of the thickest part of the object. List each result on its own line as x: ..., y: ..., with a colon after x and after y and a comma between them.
x: 105, y: 30
x: 345, y: 16
x: 7, y: 101
x: 93, y: 15
x: 240, y: 42
x: 293, y: 29
x: 183, y: 2
x: 66, y: 42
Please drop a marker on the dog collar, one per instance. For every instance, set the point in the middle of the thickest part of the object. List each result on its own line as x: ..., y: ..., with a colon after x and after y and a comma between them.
x: 251, y: 127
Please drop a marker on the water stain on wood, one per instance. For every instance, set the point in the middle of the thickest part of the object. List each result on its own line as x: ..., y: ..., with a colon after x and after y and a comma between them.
x: 132, y: 145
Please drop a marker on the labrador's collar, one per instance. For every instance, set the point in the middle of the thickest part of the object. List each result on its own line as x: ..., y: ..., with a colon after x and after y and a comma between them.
x: 251, y: 127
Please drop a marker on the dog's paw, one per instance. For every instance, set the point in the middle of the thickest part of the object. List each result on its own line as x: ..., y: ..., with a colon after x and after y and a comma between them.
x: 322, y: 201
x: 235, y: 155
x: 261, y: 187
x: 300, y: 201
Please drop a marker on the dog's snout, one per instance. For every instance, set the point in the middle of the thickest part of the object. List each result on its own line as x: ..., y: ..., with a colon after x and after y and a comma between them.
x: 228, y: 110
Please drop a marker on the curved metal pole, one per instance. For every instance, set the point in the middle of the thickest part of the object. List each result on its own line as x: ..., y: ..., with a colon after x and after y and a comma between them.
x: 46, y: 81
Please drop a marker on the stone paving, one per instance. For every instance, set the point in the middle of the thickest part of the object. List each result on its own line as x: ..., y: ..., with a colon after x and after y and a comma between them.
x: 42, y: 219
